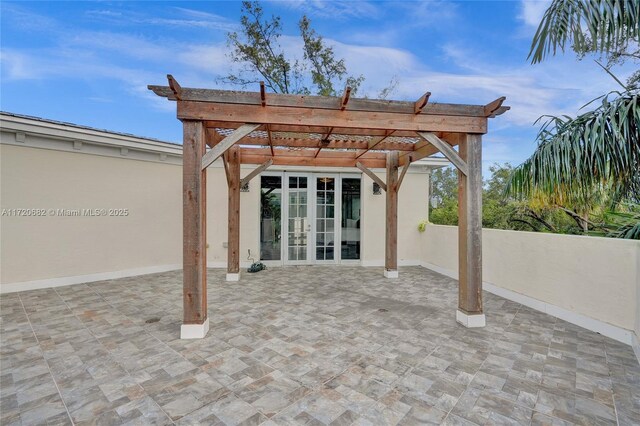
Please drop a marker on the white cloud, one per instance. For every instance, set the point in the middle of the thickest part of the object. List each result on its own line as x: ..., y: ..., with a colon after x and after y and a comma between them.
x: 339, y: 11
x: 531, y: 11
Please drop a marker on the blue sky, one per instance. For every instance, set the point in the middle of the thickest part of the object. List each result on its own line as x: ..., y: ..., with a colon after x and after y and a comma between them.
x: 89, y: 62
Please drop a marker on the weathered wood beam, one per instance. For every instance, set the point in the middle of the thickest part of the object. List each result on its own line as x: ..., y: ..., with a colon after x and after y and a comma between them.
x: 264, y: 166
x: 259, y: 158
x: 447, y: 150
x: 404, y: 171
x: 314, y: 129
x: 194, y: 225
x: 345, y: 98
x: 391, y: 229
x: 269, y: 136
x: 421, y: 103
x: 188, y: 110
x: 225, y: 163
x: 215, y: 152
x: 324, y: 102
x: 212, y: 137
x: 425, y: 149
x: 331, y: 145
x: 263, y: 94
x: 233, y: 243
x: 372, y: 175
x: 175, y: 87
x: 470, y: 227
x: 495, y: 108
x: 310, y: 153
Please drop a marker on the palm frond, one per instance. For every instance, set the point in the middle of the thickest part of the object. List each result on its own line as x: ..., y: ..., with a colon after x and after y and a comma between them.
x: 591, y: 25
x: 624, y: 225
x: 599, y: 148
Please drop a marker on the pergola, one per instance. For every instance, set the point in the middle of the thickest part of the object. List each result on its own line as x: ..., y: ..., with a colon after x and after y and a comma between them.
x: 299, y: 130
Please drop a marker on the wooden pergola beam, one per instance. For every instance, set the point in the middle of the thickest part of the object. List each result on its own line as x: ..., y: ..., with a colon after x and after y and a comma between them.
x: 345, y: 98
x: 255, y: 172
x: 175, y: 87
x: 495, y: 108
x: 446, y: 150
x: 263, y: 94
x: 372, y: 175
x: 421, y: 103
x: 322, y: 102
x: 190, y: 110
x: 316, y: 129
x: 220, y: 148
x: 253, y: 158
x: 331, y: 145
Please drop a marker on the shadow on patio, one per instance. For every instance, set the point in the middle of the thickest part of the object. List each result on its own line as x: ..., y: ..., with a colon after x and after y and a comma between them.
x: 317, y: 345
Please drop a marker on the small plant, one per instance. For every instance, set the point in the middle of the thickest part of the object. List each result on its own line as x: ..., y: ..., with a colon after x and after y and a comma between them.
x: 422, y: 225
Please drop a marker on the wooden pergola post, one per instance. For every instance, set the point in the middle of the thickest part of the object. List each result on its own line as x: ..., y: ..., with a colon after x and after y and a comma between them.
x: 391, y: 228
x: 195, y: 322
x: 232, y: 162
x: 470, y: 312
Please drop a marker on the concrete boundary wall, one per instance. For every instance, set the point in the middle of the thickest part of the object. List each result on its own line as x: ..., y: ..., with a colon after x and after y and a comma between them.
x: 588, y: 281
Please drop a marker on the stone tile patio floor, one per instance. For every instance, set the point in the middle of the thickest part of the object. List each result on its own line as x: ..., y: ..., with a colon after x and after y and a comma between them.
x: 303, y: 345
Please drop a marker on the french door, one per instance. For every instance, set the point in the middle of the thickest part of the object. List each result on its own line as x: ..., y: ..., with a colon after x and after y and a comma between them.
x: 310, y: 218
x: 297, y: 223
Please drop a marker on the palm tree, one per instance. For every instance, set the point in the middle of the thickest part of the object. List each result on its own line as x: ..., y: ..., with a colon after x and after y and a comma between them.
x: 599, y: 148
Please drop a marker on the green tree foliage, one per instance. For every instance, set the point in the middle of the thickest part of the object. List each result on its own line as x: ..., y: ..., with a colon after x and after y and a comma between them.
x: 587, y: 162
x: 498, y: 211
x: 257, y: 49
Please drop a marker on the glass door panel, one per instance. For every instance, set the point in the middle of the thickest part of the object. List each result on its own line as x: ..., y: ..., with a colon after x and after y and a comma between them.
x: 270, y: 217
x: 298, y: 224
x: 350, y: 235
x: 325, y: 218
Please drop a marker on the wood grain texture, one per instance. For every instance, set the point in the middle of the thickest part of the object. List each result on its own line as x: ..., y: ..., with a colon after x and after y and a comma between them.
x: 194, y: 224
x: 470, y: 227
x: 323, y: 102
x: 233, y: 250
x: 446, y: 150
x: 191, y: 110
x: 391, y: 228
x: 255, y: 172
x: 372, y: 175
x: 226, y: 143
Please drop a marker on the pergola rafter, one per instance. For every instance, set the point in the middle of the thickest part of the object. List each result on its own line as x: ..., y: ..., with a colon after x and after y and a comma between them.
x: 300, y: 130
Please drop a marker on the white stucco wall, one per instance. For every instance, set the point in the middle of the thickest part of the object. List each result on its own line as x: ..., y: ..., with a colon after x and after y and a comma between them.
x: 42, y: 172
x: 594, y: 277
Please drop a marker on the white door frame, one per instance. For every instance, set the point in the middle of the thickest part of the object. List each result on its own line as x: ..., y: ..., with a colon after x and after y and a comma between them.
x: 309, y: 227
x: 311, y: 215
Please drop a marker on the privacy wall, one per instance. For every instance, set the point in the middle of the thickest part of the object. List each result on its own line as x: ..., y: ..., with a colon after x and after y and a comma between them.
x: 576, y: 278
x: 84, y: 205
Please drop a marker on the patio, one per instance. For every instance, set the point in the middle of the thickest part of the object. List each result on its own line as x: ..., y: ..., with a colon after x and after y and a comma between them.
x: 304, y: 345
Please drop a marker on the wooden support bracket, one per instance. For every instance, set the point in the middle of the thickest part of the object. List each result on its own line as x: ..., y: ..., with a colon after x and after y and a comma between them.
x: 261, y: 168
x: 222, y: 146
x: 372, y: 175
x: 447, y: 150
x: 225, y: 163
x: 404, y: 171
